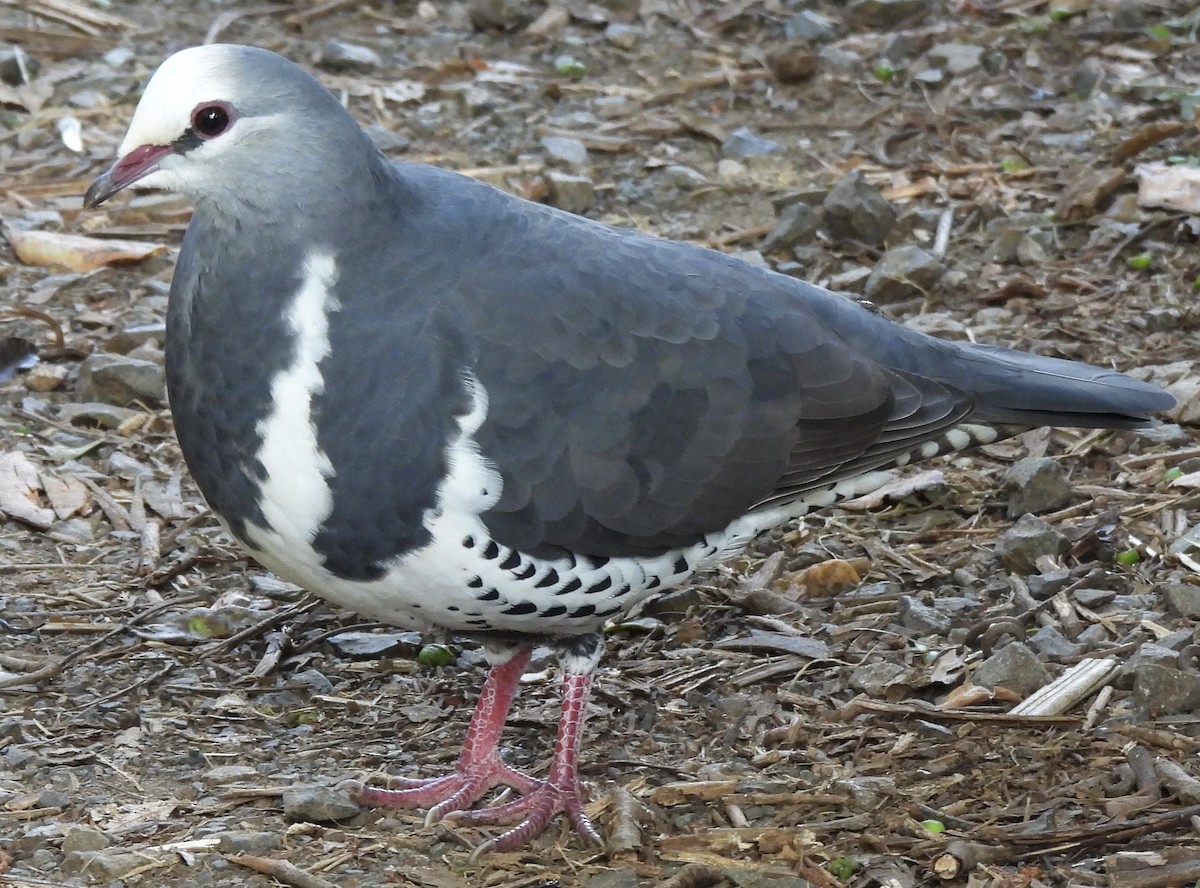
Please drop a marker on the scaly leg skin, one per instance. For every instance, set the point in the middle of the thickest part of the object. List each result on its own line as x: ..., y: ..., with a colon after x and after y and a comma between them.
x: 560, y: 793
x: 479, y: 768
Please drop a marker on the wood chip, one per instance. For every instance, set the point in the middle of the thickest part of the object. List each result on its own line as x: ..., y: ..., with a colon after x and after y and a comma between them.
x: 20, y: 489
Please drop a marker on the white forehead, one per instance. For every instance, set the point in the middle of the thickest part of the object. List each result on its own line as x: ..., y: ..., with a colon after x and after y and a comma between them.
x: 188, y: 78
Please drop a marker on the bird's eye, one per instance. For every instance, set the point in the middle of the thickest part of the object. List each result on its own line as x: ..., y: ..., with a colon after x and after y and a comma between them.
x: 209, y: 121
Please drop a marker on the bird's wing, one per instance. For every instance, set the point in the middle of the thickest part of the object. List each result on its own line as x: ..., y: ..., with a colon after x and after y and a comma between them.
x: 643, y: 393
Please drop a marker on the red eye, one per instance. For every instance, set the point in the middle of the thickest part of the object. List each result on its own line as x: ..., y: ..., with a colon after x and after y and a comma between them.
x: 209, y: 121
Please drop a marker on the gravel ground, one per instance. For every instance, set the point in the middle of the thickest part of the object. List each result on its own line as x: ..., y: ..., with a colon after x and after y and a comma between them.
x: 836, y: 707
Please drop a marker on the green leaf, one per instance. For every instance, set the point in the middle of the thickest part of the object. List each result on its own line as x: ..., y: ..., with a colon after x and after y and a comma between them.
x: 1128, y: 558
x: 435, y: 655
x: 934, y: 826
x: 569, y: 66
x: 841, y: 868
x: 1140, y: 263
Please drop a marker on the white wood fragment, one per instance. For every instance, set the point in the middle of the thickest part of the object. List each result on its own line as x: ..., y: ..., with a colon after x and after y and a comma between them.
x: 1069, y: 688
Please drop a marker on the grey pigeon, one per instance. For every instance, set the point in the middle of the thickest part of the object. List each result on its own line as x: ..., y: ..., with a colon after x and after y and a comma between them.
x: 441, y: 406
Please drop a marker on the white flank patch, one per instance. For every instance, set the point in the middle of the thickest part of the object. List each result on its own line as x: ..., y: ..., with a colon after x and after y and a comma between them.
x: 295, y: 497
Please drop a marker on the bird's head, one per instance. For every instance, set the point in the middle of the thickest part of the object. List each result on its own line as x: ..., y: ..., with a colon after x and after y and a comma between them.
x: 216, y: 121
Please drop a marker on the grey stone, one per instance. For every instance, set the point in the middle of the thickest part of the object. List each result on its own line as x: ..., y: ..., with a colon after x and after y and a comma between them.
x: 84, y: 838
x: 810, y: 26
x: 1049, y: 642
x: 1015, y: 667
x: 855, y: 210
x: 222, y: 775
x: 685, y: 177
x: 120, y: 380
x: 1030, y: 251
x: 1189, y: 541
x: 1148, y: 654
x: 499, y: 15
x: 839, y: 59
x: 617, y: 877
x: 318, y: 804
x: 1182, y: 599
x: 1093, y: 598
x: 385, y: 140
x: 742, y: 143
x: 1036, y: 485
x: 372, y: 645
x: 1169, y: 434
x: 920, y: 617
x: 53, y: 798
x: 876, y: 676
x: 622, y: 36
x: 336, y: 55
x: 119, y: 56
x: 1025, y: 542
x: 573, y: 193
x: 44, y: 859
x: 314, y: 679
x: 1162, y: 690
x: 903, y: 272
x: 753, y: 257
x: 247, y: 842
x: 956, y: 58
x: 570, y: 151
x: 797, y: 224
x: 881, y: 14
x: 107, y: 416
x: 109, y: 862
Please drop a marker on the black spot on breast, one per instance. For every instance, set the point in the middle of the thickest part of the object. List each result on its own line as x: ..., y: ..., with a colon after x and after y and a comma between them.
x: 475, y: 583
x: 491, y: 550
x: 621, y: 590
x: 586, y: 611
x: 550, y: 579
x: 680, y: 565
x: 598, y: 561
x: 605, y: 583
x: 488, y: 595
x: 526, y: 572
x: 653, y: 583
x: 483, y: 624
x: 555, y: 610
x: 610, y: 611
x: 453, y: 608
x: 469, y: 542
x: 512, y: 560
x: 524, y: 607
x: 574, y: 584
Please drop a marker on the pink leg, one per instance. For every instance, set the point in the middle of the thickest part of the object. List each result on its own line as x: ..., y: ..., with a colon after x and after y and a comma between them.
x: 560, y: 793
x: 479, y: 768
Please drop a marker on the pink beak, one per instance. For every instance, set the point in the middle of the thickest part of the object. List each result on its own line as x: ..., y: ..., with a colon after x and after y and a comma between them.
x: 139, y: 162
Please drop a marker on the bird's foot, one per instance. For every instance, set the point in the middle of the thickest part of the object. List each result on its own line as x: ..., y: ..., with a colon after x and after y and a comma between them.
x: 535, y: 810
x: 456, y: 791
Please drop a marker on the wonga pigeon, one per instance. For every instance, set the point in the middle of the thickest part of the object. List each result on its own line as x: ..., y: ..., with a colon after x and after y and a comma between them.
x: 439, y: 405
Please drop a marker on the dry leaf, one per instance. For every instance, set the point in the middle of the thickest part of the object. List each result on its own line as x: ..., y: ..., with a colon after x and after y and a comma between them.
x: 51, y: 248
x: 1171, y: 187
x: 68, y: 496
x: 19, y: 486
x: 829, y: 578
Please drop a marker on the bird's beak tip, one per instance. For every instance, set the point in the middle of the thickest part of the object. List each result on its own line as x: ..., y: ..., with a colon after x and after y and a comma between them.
x: 99, y: 191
